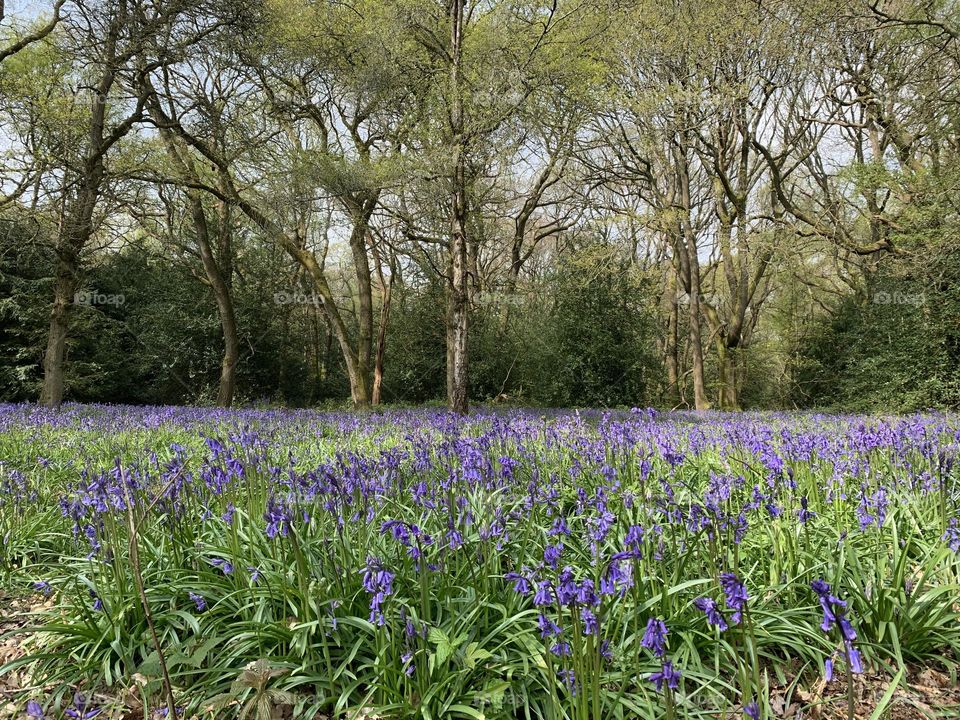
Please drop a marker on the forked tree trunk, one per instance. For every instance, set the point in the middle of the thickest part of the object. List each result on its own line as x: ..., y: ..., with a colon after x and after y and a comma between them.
x: 77, y: 226
x: 693, y: 287
x: 730, y: 395
x: 221, y: 293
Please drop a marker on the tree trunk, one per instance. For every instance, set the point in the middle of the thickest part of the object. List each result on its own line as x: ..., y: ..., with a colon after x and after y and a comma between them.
x: 221, y: 293
x: 693, y: 283
x: 730, y: 396
x: 386, y: 289
x: 458, y: 378
x: 696, y: 341
x: 360, y: 215
x: 458, y: 300
x: 217, y: 273
x: 381, y: 342
x: 75, y: 232
x: 673, y: 341
x: 77, y: 227
x: 64, y: 288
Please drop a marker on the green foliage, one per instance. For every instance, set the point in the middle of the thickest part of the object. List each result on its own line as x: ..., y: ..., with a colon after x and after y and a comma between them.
x: 583, y: 336
x: 598, y: 347
x: 896, y: 346
x: 25, y: 289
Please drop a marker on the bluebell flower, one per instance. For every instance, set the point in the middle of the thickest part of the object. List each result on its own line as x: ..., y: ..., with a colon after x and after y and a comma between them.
x: 81, y: 709
x: 655, y: 637
x: 544, y: 594
x: 735, y: 595
x: 709, y: 608
x: 834, y: 616
x: 377, y: 581
x: 952, y: 536
x: 668, y: 676
x: 409, y: 668
x: 566, y: 587
x: 34, y: 710
x: 226, y: 567
x: 586, y: 596
x: 805, y: 514
x: 521, y: 585
x: 551, y: 555
x: 548, y: 627
x: 559, y: 527
x: 561, y: 649
x: 278, y: 518
x: 199, y: 601
x: 569, y: 680
x: 591, y: 626
x: 165, y: 712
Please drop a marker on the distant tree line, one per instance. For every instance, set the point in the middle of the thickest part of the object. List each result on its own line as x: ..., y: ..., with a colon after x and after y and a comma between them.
x: 733, y: 204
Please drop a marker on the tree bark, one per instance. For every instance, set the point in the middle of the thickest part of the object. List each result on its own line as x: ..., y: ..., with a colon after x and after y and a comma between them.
x: 360, y: 215
x: 64, y: 288
x: 221, y: 293
x: 693, y: 280
x: 696, y: 340
x: 386, y: 290
x: 381, y: 342
x: 672, y: 341
x: 458, y: 308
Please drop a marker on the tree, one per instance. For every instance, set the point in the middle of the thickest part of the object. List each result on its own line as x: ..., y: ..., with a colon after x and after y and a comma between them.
x: 485, y: 63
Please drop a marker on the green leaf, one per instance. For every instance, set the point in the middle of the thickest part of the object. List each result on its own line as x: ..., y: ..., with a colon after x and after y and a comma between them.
x: 474, y: 654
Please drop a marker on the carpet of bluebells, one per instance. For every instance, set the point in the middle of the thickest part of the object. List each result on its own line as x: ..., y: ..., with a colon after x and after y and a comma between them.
x: 509, y: 564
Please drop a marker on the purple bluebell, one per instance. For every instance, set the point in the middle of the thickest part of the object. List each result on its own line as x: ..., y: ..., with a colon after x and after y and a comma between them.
x: 655, y: 637
x: 569, y: 680
x: 735, y: 595
x: 834, y: 616
x: 378, y: 582
x: 226, y: 567
x: 668, y: 675
x: 521, y: 585
x: 548, y: 627
x: 709, y: 608
x: 81, y: 709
